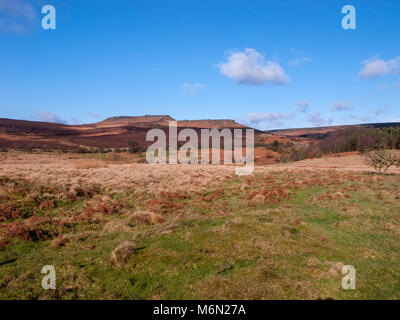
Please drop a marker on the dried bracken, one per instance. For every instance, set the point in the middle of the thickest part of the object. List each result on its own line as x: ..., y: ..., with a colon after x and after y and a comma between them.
x: 145, y: 217
x: 10, y: 211
x: 60, y: 241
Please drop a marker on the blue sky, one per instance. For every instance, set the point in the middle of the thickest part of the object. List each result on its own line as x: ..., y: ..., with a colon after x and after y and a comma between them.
x: 270, y: 64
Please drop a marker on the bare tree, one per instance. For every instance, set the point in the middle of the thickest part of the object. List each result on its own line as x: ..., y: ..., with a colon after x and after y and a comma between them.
x: 381, y: 160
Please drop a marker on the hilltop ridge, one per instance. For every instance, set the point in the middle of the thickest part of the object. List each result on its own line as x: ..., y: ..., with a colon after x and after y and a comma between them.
x: 113, y: 132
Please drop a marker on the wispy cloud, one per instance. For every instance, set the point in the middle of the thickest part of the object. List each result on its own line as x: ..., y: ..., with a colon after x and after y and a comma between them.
x: 365, y: 119
x: 340, y: 106
x: 270, y: 119
x: 299, y: 61
x: 17, y: 16
x: 193, y: 88
x: 93, y: 115
x: 381, y: 110
x: 302, y: 106
x: 382, y: 87
x: 249, y: 67
x: 74, y: 120
x: 316, y: 119
x: 47, y: 116
x: 377, y: 67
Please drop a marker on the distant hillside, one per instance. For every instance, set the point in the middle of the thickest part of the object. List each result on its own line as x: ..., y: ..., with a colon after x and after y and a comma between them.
x: 114, y: 132
x: 322, y: 132
x: 135, y: 120
x: 209, y: 123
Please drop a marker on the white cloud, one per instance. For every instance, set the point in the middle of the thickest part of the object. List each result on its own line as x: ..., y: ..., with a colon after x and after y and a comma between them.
x: 193, y: 88
x: 271, y: 119
x: 316, y: 119
x: 302, y: 106
x: 48, y: 117
x: 250, y: 67
x: 17, y: 15
x: 377, y: 67
x: 298, y: 61
x: 340, y: 106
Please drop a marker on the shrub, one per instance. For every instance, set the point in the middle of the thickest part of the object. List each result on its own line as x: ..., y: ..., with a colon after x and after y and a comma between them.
x: 274, y: 146
x: 38, y: 228
x: 82, y: 150
x: 133, y: 147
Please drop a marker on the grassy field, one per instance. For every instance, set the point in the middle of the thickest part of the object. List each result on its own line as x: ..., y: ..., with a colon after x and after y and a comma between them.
x: 201, y: 234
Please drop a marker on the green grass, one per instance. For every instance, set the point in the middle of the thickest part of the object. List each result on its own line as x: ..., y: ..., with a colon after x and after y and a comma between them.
x: 242, y: 249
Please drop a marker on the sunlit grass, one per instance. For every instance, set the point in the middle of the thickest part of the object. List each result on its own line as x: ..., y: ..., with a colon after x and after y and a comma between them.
x: 276, y: 236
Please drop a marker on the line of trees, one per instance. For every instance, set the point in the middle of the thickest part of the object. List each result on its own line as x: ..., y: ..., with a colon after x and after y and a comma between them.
x: 360, y: 139
x: 346, y: 140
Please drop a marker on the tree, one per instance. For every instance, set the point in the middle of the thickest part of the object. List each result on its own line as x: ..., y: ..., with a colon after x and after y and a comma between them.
x: 381, y: 160
x: 353, y: 143
x: 275, y: 145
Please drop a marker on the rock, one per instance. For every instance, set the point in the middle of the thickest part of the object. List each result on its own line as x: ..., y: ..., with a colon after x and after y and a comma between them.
x: 116, y: 226
x: 121, y: 254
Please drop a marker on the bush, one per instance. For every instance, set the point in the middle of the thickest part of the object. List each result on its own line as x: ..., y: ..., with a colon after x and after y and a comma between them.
x: 274, y: 146
x: 82, y: 150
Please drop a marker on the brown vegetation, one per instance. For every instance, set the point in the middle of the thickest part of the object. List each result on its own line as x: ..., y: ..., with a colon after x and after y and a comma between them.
x: 89, y: 164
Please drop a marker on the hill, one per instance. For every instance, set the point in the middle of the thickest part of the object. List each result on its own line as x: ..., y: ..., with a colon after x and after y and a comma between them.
x: 114, y: 132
